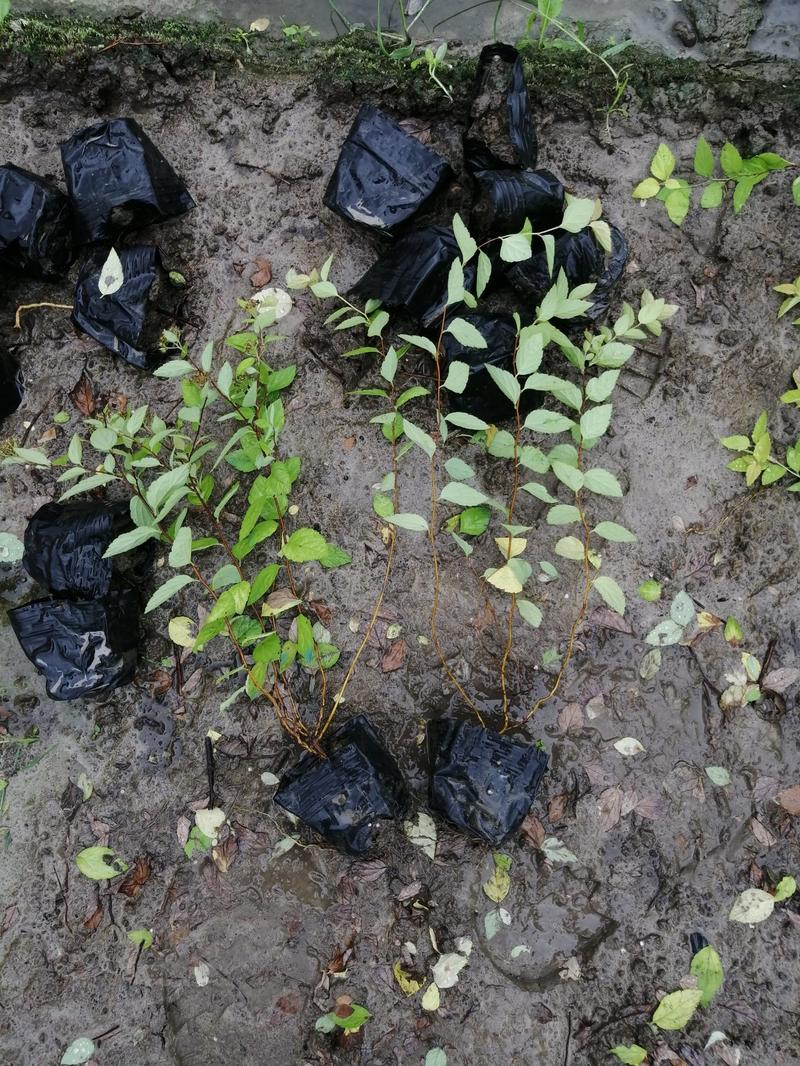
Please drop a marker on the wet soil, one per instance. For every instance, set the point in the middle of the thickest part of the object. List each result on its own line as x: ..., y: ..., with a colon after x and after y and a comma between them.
x: 255, y: 148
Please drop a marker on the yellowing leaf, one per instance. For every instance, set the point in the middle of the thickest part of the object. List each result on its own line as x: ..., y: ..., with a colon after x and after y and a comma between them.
x: 209, y: 821
x: 511, y: 546
x: 432, y: 998
x: 752, y: 906
x: 409, y: 985
x: 676, y: 1008
x: 498, y: 885
x: 182, y: 631
x: 506, y: 580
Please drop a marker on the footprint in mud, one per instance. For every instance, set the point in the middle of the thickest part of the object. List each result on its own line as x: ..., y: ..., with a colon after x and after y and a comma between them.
x: 156, y: 744
x: 537, y: 945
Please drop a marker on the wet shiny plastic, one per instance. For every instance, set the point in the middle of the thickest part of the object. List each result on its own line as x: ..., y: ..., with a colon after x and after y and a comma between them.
x: 35, y: 224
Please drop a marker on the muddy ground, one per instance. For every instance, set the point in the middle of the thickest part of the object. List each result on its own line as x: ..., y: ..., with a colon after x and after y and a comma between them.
x: 255, y: 148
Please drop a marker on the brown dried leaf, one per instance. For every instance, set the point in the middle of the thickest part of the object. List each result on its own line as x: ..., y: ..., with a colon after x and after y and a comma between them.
x: 321, y: 610
x: 159, y: 681
x: 570, y: 718
x: 365, y: 872
x: 607, y: 619
x: 650, y: 807
x: 280, y: 599
x: 596, y: 773
x: 630, y: 801
x: 609, y: 807
x: 48, y: 435
x: 82, y: 395
x: 409, y: 891
x: 263, y: 276
x: 101, y: 830
x: 789, y: 799
x: 781, y: 679
x: 182, y: 830
x: 349, y: 443
x: 136, y: 878
x: 557, y: 807
x: 225, y: 853
x: 394, y: 657
x: 94, y: 917
x: 487, y: 616
x: 765, y: 788
x: 9, y: 917
x: 762, y: 834
x: 533, y: 831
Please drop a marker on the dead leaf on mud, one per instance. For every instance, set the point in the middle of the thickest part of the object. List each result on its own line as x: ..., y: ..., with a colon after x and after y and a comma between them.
x: 570, y: 718
x: 596, y: 706
x: 182, y: 830
x: 9, y: 917
x: 487, y: 616
x: 225, y: 853
x: 364, y: 872
x: 159, y: 681
x: 82, y: 395
x: 596, y: 773
x: 609, y: 807
x: 93, y: 918
x: 762, y: 834
x: 262, y: 276
x: 557, y: 807
x: 394, y: 657
x: 781, y: 679
x: 650, y: 807
x: 533, y: 831
x: 100, y: 829
x: 136, y: 878
x: 349, y: 443
x: 789, y: 799
x: 605, y: 618
x: 321, y: 610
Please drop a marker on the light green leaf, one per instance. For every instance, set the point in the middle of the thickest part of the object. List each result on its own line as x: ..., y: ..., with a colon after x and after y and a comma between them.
x: 462, y: 495
x: 785, y: 888
x: 466, y: 244
x: 82, y: 1049
x: 181, y: 551
x: 647, y: 189
x: 602, y: 234
x: 142, y: 937
x: 436, y: 1057
x: 682, y: 609
x: 706, y: 966
x: 126, y: 542
x: 484, y: 273
x: 530, y: 612
x: 577, y: 214
x: 664, y: 634
x: 457, y: 376
x: 419, y: 437
x: 92, y: 863
x: 678, y: 203
x: 631, y: 1054
x: 505, y: 381
x: 112, y: 276
x: 175, y: 368
x: 752, y: 906
x: 703, y: 158
x: 731, y: 161
x: 167, y: 590
x: 595, y: 421
x: 11, y: 548
x: 713, y: 194
x: 662, y: 163
x: 466, y: 421
x: 796, y: 191
x: 516, y: 248
x: 304, y: 545
x: 676, y: 1008
x: 458, y: 469
x: 568, y: 475
x: 602, y: 482
x: 614, y: 532
x: 562, y: 515
x: 414, y: 522
x: 650, y: 590
x: 610, y: 592
x: 718, y: 775
x: 601, y: 387
x: 569, y: 548
x: 544, y: 421
x: 465, y: 333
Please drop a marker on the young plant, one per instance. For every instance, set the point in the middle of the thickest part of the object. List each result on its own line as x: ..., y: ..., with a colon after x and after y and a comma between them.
x: 791, y: 291
x: 592, y: 370
x: 756, y: 459
x: 214, y: 505
x: 433, y: 61
x: 738, y: 174
x: 296, y: 34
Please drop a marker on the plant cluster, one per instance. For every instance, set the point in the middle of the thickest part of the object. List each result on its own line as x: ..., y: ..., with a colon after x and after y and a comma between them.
x: 757, y: 459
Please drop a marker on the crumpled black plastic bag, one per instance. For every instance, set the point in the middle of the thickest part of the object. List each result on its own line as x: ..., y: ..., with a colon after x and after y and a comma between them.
x: 482, y: 782
x: 118, y: 180
x: 35, y: 224
x: 412, y: 274
x: 128, y: 322
x: 494, y: 140
x: 481, y: 396
x: 80, y: 647
x: 582, y: 260
x: 384, y: 175
x: 345, y: 796
x: 507, y: 197
x: 11, y: 389
x: 65, y: 542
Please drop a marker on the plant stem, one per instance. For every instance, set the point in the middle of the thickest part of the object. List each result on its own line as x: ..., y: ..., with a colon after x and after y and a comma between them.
x: 510, y: 518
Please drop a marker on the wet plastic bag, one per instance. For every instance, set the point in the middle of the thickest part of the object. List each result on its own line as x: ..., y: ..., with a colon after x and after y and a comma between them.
x: 35, y: 224
x: 481, y: 396
x: 500, y: 136
x: 11, y: 390
x: 118, y: 180
x: 128, y: 322
x: 412, y: 274
x: 507, y: 197
x: 345, y: 796
x: 582, y: 260
x: 81, y: 647
x: 482, y: 782
x: 65, y: 542
x: 384, y: 175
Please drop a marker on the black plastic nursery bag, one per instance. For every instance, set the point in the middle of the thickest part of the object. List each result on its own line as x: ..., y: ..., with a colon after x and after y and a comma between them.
x: 118, y: 180
x: 11, y: 390
x: 500, y: 136
x: 35, y: 224
x: 81, y: 647
x: 345, y: 796
x: 481, y: 396
x: 65, y: 542
x: 482, y: 782
x: 412, y: 274
x: 129, y: 321
x: 384, y: 175
x: 582, y: 260
x: 507, y: 197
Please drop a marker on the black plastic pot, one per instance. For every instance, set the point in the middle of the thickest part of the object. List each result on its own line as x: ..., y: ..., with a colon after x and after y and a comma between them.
x: 507, y: 197
x: 35, y: 224
x: 65, y: 542
x: 128, y: 322
x: 412, y: 274
x: 582, y: 260
x: 481, y: 396
x: 118, y: 180
x: 80, y: 647
x: 495, y: 140
x: 482, y: 782
x: 347, y: 795
x: 384, y: 175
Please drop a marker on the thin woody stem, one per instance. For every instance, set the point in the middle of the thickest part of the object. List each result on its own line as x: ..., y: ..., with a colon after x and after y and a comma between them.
x: 510, y: 512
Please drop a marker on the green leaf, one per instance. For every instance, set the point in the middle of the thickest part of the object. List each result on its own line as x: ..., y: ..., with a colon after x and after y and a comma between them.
x: 175, y: 368
x: 577, y: 214
x: 678, y: 203
x: 610, y: 592
x: 463, y: 495
x: 474, y: 520
x: 355, y: 1019
x: 785, y: 888
x: 706, y: 966
x: 466, y: 421
x: 516, y: 248
x: 103, y: 439
x: 436, y: 1057
x: 676, y: 1008
x: 663, y: 163
x: 93, y: 482
x: 650, y: 590
x: 647, y: 189
x: 126, y: 542
x: 631, y: 1054
x: 414, y: 522
x: 505, y: 381
x: 92, y: 863
x: 142, y: 937
x: 703, y: 158
x: 741, y: 193
x: 736, y: 443
x: 682, y: 609
x: 167, y: 590
x: 796, y: 191
x: 544, y: 421
x: 730, y: 160
x: 425, y: 343
x: 419, y: 437
x: 465, y: 333
x: 549, y: 242
x: 334, y: 556
x: 713, y: 194
x: 614, y: 532
x: 530, y: 612
x: 466, y: 244
x: 410, y: 394
x: 484, y: 273
x: 304, y: 545
x: 602, y: 482
x: 389, y: 365
x: 569, y: 548
x: 601, y: 387
x: 181, y: 551
x: 82, y: 1049
x: 563, y: 514
x: 595, y: 421
x: 568, y: 475
x: 458, y: 469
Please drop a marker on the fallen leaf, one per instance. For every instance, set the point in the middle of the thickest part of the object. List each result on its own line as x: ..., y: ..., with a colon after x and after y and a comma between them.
x: 609, y: 807
x: 765, y: 788
x: 394, y: 657
x: 676, y: 1008
x: 368, y: 871
x: 718, y: 775
x: 753, y: 905
x: 409, y: 983
x: 263, y: 276
x: 789, y: 799
x: 498, y: 885
x: 650, y: 664
x: 136, y: 878
x: 182, y: 830
x: 572, y: 970
x: 608, y: 619
x: 260, y: 26
x: 422, y: 833
x: 595, y: 772
x: 650, y: 807
x: 93, y: 918
x: 557, y: 851
x: 533, y: 830
x: 209, y: 821
x: 82, y: 395
x: 321, y: 610
x: 202, y: 974
x: 628, y: 746
x: 431, y: 998
x: 570, y: 718
x: 762, y: 834
x: 781, y: 679
x: 182, y: 631
x: 557, y: 807
x: 10, y: 915
x: 225, y: 853
x: 595, y: 706
x: 447, y: 969
x: 348, y: 444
